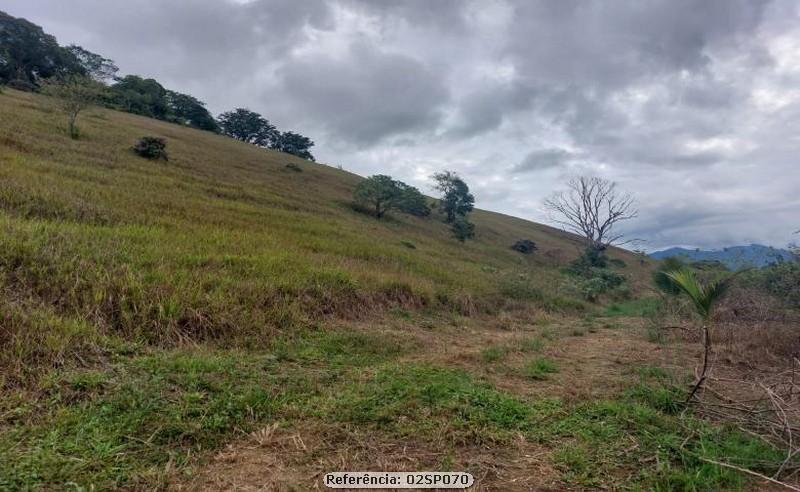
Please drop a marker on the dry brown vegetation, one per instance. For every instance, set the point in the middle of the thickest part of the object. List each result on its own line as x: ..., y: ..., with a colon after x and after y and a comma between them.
x: 754, y: 384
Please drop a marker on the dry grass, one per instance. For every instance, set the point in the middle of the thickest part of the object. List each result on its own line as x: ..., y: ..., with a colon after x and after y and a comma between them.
x: 754, y: 382
x: 275, y: 458
x: 222, y: 243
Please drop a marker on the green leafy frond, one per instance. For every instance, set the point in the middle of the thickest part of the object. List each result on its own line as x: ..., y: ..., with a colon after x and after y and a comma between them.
x: 703, y: 295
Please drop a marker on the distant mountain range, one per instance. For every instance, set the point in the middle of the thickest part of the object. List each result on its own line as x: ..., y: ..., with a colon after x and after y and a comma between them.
x: 734, y: 257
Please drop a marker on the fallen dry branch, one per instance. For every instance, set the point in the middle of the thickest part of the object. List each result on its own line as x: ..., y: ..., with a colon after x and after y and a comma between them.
x: 767, y: 407
x: 751, y: 472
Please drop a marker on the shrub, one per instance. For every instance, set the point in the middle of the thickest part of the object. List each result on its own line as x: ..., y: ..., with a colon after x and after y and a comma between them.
x: 151, y: 148
x: 589, y: 259
x: 609, y: 278
x: 463, y: 229
x: 782, y: 280
x: 592, y: 282
x: 21, y: 85
x: 294, y: 167
x: 660, y: 278
x: 593, y: 279
x: 592, y: 289
x: 524, y: 246
x: 617, y: 263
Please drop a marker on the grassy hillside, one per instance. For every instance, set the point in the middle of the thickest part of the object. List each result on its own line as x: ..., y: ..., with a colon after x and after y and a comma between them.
x: 222, y: 242
x: 220, y: 321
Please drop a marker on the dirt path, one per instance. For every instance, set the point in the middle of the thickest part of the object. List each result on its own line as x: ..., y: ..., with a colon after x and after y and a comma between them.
x: 592, y: 363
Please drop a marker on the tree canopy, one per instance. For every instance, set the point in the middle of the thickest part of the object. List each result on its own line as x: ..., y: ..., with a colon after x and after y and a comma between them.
x: 381, y: 193
x: 247, y: 126
x: 412, y: 201
x: 95, y: 66
x: 29, y: 54
x: 293, y: 143
x: 456, y: 198
x: 137, y: 95
x: 189, y: 111
x: 457, y: 202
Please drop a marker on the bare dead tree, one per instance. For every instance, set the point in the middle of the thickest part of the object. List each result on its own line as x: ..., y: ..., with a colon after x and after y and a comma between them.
x: 591, y: 207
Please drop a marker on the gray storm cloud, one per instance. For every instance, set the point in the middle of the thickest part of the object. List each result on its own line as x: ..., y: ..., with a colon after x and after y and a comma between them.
x: 691, y: 104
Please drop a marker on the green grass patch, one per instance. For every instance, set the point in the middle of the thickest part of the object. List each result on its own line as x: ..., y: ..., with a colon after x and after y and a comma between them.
x: 643, y: 307
x: 540, y: 368
x: 494, y: 353
x: 608, y: 440
x: 416, y: 399
x: 339, y: 347
x: 120, y: 427
x: 136, y: 417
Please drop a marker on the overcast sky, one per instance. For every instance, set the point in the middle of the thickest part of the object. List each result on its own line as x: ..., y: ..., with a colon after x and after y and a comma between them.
x: 693, y: 105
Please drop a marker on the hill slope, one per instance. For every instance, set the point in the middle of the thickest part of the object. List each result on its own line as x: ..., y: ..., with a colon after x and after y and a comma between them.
x: 223, y: 240
x: 155, y: 313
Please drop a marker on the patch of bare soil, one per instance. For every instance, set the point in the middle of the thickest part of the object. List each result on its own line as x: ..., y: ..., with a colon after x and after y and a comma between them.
x: 595, y: 363
x: 274, y: 459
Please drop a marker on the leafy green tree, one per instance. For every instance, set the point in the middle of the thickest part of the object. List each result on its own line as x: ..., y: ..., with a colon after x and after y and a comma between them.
x: 140, y: 96
x: 95, y: 66
x: 73, y: 94
x: 28, y: 54
x: 704, y: 297
x: 189, y: 111
x: 293, y: 143
x: 462, y: 228
x: 247, y: 126
x: 412, y: 201
x: 456, y: 198
x: 379, y: 193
